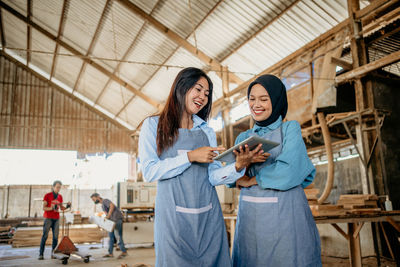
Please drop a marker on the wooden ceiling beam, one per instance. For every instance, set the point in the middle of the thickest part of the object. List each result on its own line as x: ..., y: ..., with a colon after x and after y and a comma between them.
x: 367, y: 68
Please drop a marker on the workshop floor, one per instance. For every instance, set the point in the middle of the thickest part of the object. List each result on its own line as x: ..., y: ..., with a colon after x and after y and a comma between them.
x: 137, y: 257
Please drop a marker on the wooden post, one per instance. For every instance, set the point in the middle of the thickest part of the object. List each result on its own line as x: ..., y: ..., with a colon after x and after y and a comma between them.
x: 30, y: 200
x: 233, y: 226
x: 354, y: 245
x: 226, y: 142
x: 359, y: 57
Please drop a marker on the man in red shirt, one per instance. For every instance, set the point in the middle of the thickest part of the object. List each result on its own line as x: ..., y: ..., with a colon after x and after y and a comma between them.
x: 52, y: 204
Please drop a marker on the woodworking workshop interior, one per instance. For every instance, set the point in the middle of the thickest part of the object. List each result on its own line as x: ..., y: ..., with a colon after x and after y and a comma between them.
x: 204, y: 133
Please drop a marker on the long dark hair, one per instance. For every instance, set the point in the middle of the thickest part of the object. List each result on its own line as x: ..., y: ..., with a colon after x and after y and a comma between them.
x: 171, y: 115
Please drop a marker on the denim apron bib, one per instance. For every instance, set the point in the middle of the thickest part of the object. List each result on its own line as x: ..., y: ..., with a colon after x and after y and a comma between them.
x: 275, y: 228
x: 189, y: 226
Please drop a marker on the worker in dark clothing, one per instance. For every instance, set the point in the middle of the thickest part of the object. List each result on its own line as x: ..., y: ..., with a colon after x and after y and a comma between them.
x: 52, y: 204
x: 114, y: 214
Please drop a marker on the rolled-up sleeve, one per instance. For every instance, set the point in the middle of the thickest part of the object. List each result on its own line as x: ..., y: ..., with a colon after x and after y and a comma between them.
x: 219, y: 174
x: 153, y: 168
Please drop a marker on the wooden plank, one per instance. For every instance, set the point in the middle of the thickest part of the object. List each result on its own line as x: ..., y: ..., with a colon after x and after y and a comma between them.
x: 342, y: 63
x: 365, y: 69
x: 337, y: 227
x: 31, y: 236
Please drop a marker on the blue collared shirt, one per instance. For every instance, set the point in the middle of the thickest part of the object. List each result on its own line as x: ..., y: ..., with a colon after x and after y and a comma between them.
x: 292, y: 167
x: 153, y: 168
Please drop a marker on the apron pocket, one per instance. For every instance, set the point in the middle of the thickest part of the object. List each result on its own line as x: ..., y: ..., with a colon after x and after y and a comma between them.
x: 194, y: 211
x: 191, y: 229
x: 260, y: 199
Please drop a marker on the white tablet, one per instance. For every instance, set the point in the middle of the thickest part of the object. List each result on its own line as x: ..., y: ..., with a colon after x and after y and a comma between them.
x: 253, y: 141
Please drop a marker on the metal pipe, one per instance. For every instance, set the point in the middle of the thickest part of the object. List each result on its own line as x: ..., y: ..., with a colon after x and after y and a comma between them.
x: 328, y: 147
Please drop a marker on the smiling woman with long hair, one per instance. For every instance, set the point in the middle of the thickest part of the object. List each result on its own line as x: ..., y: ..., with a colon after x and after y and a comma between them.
x: 176, y: 149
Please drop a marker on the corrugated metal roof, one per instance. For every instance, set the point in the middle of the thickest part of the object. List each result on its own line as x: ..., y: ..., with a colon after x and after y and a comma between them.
x: 152, y: 47
x: 184, y: 18
x: 160, y: 85
x: 67, y: 67
x: 15, y: 32
x: 47, y: 14
x: 223, y: 35
x: 42, y: 43
x: 82, y: 19
x: 119, y: 29
x: 92, y: 82
x: 115, y: 97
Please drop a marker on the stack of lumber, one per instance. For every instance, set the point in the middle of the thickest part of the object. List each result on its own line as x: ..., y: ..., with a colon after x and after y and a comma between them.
x: 32, y: 223
x: 5, y: 236
x: 30, y: 236
x: 312, y: 195
x: 359, y: 203
x: 73, y: 218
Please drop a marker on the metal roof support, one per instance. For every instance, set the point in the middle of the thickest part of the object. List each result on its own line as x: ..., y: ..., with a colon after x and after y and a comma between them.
x: 77, y: 53
x: 215, y: 64
x: 165, y: 61
x: 260, y: 30
x: 28, y: 32
x: 94, y: 109
x: 3, y: 38
x: 124, y: 57
x: 59, y: 35
x: 96, y: 34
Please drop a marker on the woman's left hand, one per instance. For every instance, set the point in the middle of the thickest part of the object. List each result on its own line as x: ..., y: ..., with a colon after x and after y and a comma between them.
x: 246, y: 181
x: 245, y: 156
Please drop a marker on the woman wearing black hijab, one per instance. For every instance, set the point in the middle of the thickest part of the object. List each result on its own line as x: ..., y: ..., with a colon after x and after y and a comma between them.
x: 275, y: 226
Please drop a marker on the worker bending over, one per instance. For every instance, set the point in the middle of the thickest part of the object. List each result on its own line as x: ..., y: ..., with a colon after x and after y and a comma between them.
x: 114, y: 214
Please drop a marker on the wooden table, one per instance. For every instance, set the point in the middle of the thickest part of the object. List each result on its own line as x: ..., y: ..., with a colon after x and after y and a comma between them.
x: 355, y: 222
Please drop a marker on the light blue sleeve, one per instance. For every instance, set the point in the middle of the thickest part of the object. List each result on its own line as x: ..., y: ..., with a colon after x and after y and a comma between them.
x: 152, y: 166
x: 242, y: 136
x: 218, y: 174
x: 292, y: 167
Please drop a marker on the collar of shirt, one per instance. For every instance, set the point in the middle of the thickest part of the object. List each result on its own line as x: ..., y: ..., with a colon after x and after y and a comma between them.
x: 272, y: 126
x: 198, y: 122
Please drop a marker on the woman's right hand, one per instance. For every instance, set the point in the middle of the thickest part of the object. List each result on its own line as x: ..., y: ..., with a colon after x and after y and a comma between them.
x: 204, y: 154
x: 260, y: 157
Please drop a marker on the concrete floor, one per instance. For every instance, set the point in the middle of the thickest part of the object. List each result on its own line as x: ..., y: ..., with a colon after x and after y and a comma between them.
x: 137, y: 257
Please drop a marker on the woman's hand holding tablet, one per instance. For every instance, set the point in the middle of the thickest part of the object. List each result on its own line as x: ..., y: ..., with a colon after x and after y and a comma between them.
x: 244, y: 157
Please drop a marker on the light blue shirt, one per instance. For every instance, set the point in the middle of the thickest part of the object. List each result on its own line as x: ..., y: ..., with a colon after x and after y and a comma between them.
x: 292, y: 167
x: 154, y: 169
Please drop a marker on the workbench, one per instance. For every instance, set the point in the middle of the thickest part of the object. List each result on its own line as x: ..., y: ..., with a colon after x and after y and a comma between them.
x: 354, y: 221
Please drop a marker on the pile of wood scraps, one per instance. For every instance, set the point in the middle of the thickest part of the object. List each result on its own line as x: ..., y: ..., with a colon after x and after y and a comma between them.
x: 31, y: 236
x: 347, y: 204
x: 359, y: 203
x: 6, y: 233
x: 72, y: 218
x: 312, y: 195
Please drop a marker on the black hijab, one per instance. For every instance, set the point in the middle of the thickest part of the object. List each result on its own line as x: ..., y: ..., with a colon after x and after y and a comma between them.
x: 277, y: 93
